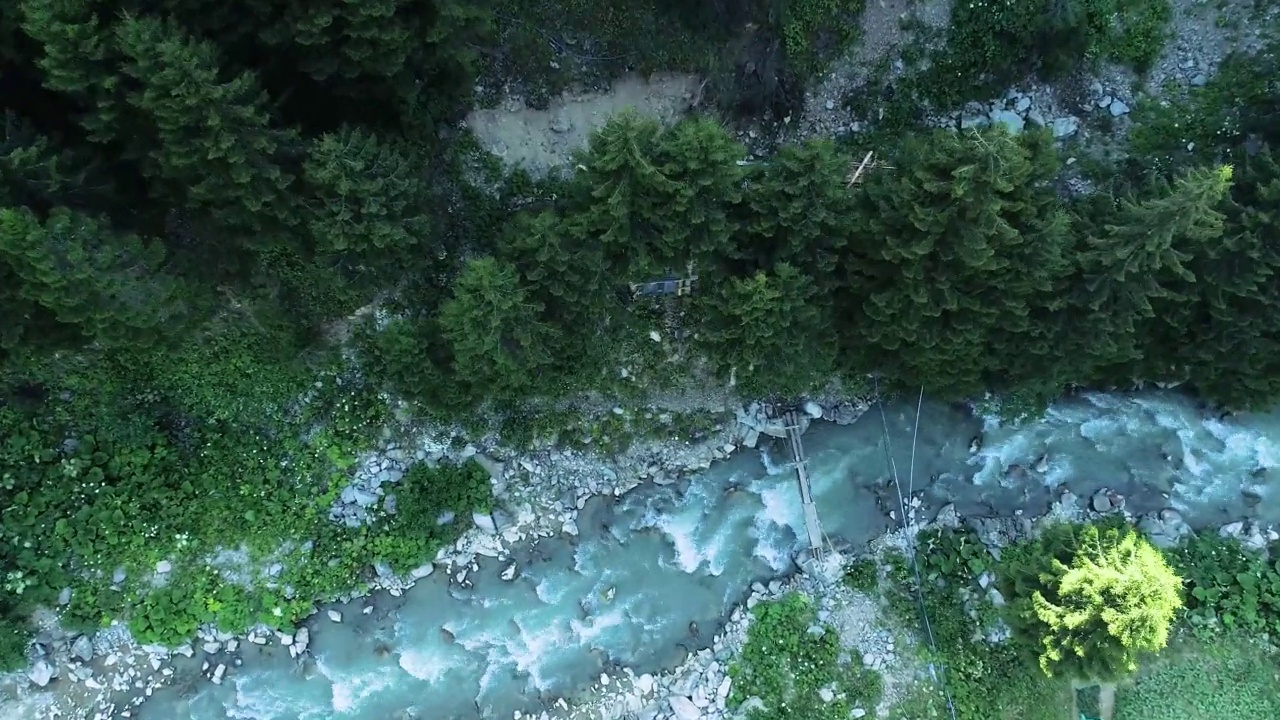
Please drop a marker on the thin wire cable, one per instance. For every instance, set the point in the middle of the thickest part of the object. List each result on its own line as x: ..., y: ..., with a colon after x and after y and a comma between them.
x: 915, y: 435
x: 937, y: 670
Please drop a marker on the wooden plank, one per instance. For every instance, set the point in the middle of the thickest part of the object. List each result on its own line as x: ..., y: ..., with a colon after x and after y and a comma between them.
x: 813, y: 527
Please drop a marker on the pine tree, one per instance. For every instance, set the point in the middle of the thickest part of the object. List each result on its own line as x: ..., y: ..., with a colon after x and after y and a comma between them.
x: 369, y: 198
x: 498, y: 344
x: 70, y: 280
x: 1231, y: 344
x: 215, y: 148
x: 954, y: 282
x: 658, y: 201
x: 1138, y: 283
x: 771, y: 330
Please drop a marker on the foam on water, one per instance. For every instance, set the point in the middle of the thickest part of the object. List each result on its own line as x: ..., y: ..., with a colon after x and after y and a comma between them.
x: 773, y: 468
x: 349, y: 688
x: 425, y: 665
x: 259, y: 697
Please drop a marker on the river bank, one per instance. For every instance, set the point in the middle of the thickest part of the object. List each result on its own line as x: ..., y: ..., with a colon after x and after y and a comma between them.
x: 654, y: 576
x: 539, y: 494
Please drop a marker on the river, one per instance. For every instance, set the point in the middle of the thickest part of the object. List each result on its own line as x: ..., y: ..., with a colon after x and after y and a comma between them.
x: 647, y: 565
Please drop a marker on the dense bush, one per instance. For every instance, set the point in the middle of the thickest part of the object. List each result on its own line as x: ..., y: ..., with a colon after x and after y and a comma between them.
x: 789, y: 658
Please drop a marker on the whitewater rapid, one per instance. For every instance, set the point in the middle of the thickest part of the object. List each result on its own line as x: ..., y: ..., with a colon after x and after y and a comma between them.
x: 652, y: 574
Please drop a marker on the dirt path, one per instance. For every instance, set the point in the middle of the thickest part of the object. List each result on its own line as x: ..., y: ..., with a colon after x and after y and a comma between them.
x: 539, y: 140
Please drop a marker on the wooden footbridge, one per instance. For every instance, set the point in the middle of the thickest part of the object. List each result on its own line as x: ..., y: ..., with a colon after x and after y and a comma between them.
x: 817, y: 539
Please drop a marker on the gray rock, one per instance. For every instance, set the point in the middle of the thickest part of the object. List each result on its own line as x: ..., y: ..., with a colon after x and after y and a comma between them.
x: 1118, y: 108
x: 485, y: 522
x: 64, y: 597
x: 813, y: 410
x: 1101, y: 503
x: 118, y: 576
x: 1013, y: 122
x: 561, y: 124
x: 1199, y: 80
x: 335, y: 616
x: 422, y: 571
x: 82, y: 648
x: 1064, y: 127
x: 42, y: 674
x: 389, y: 504
x: 1023, y: 104
x: 683, y: 708
x: 164, y: 567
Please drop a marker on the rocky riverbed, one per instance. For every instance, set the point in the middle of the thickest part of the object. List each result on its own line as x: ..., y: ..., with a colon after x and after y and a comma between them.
x: 538, y: 495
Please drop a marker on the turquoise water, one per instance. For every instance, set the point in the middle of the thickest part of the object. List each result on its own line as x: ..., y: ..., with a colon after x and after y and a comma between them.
x: 648, y: 567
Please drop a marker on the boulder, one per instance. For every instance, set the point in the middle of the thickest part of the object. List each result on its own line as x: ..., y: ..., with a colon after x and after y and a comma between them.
x: 82, y: 648
x: 164, y: 567
x: 42, y: 674
x: 683, y: 708
x: 813, y: 410
x: 485, y: 522
x: 335, y: 616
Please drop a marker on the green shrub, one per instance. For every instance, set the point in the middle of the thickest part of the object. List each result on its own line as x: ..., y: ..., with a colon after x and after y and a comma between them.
x: 789, y: 658
x: 861, y: 575
x: 413, y: 535
x: 1228, y: 586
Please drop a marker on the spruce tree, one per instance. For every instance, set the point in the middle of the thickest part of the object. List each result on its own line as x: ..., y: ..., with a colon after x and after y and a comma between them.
x: 70, y: 280
x: 215, y: 148
x: 771, y: 330
x: 498, y: 344
x: 79, y: 59
x: 658, y: 201
x: 1231, y: 342
x: 799, y: 209
x: 564, y: 271
x: 1138, y: 284
x: 953, y: 283
x: 368, y: 198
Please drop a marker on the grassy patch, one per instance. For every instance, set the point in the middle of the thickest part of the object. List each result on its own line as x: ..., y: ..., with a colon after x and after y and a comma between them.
x: 817, y: 31
x: 790, y: 662
x: 861, y: 575
x: 1230, y: 678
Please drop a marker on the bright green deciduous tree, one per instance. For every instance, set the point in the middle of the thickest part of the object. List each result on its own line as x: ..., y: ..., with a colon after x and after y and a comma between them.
x: 1092, y: 600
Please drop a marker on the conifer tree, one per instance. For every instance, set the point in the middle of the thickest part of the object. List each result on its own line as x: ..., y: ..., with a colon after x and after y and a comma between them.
x: 800, y: 209
x: 498, y: 344
x: 369, y: 198
x: 70, y: 280
x: 770, y: 330
x: 565, y: 273
x: 79, y: 59
x: 1138, y: 283
x: 1231, y: 344
x: 962, y: 251
x: 214, y: 147
x: 658, y: 201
